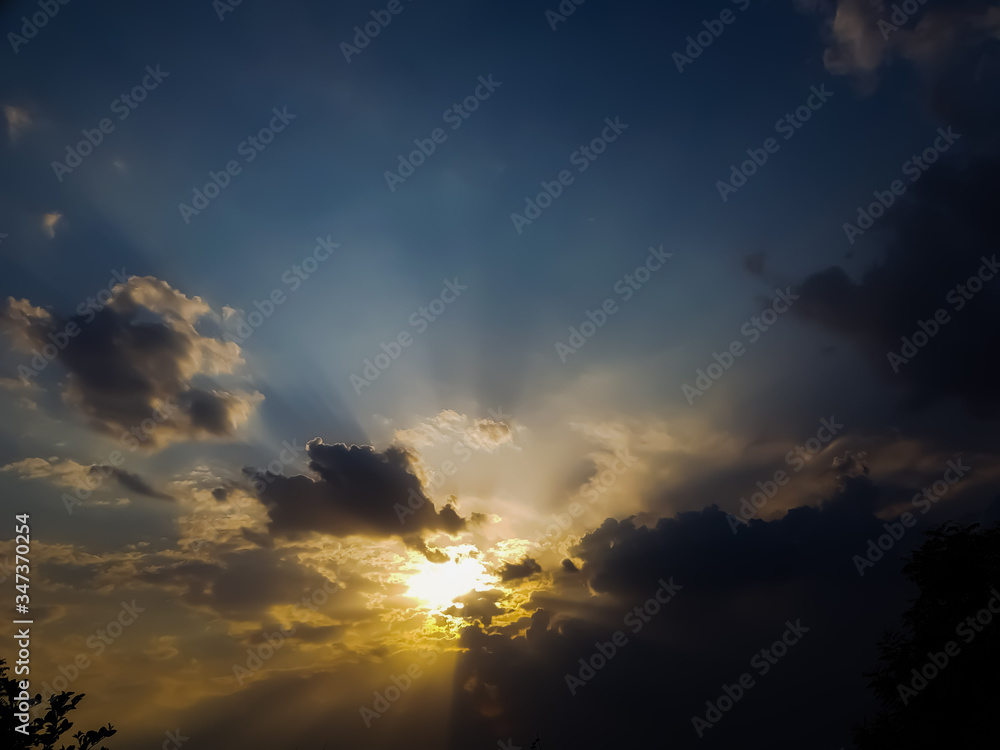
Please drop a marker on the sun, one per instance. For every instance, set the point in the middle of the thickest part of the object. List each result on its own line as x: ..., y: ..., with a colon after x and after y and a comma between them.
x: 438, y: 584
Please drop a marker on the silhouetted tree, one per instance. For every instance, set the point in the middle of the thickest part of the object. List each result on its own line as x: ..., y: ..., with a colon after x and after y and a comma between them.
x: 44, y: 731
x: 953, y: 702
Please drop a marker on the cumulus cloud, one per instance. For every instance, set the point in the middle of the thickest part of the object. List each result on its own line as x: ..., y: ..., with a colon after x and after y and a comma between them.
x: 738, y: 593
x: 138, y: 363
x: 355, y: 490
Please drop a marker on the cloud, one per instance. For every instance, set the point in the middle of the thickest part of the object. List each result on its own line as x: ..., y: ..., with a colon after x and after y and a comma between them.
x: 479, y: 434
x: 479, y: 605
x: 163, y: 648
x: 24, y: 389
x: 524, y: 569
x: 130, y: 481
x: 356, y: 490
x: 942, y: 231
x: 864, y: 35
x: 23, y: 321
x: 138, y: 364
x: 856, y: 45
x: 701, y: 549
x: 416, y: 542
x: 67, y: 473
x: 18, y: 120
x: 49, y: 222
x: 240, y: 585
x: 739, y: 591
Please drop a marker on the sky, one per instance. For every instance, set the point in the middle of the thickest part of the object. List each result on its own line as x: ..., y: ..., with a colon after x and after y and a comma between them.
x: 439, y: 352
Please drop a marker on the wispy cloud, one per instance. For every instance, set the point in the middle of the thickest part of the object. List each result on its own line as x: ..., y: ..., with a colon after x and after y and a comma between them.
x: 18, y: 120
x: 49, y: 222
x: 864, y: 35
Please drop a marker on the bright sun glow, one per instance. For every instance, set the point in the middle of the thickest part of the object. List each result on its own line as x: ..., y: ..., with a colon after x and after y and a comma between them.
x: 437, y: 584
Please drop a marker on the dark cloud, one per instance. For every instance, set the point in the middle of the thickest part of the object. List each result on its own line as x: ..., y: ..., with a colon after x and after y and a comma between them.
x: 625, y: 560
x: 417, y: 543
x: 239, y: 585
x: 851, y: 464
x: 258, y: 538
x: 319, y: 634
x: 739, y: 591
x: 129, y: 481
x: 524, y: 569
x: 132, y: 363
x: 481, y: 606
x: 77, y: 576
x: 931, y: 240
x: 356, y: 490
x: 943, y: 234
x: 210, y: 412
